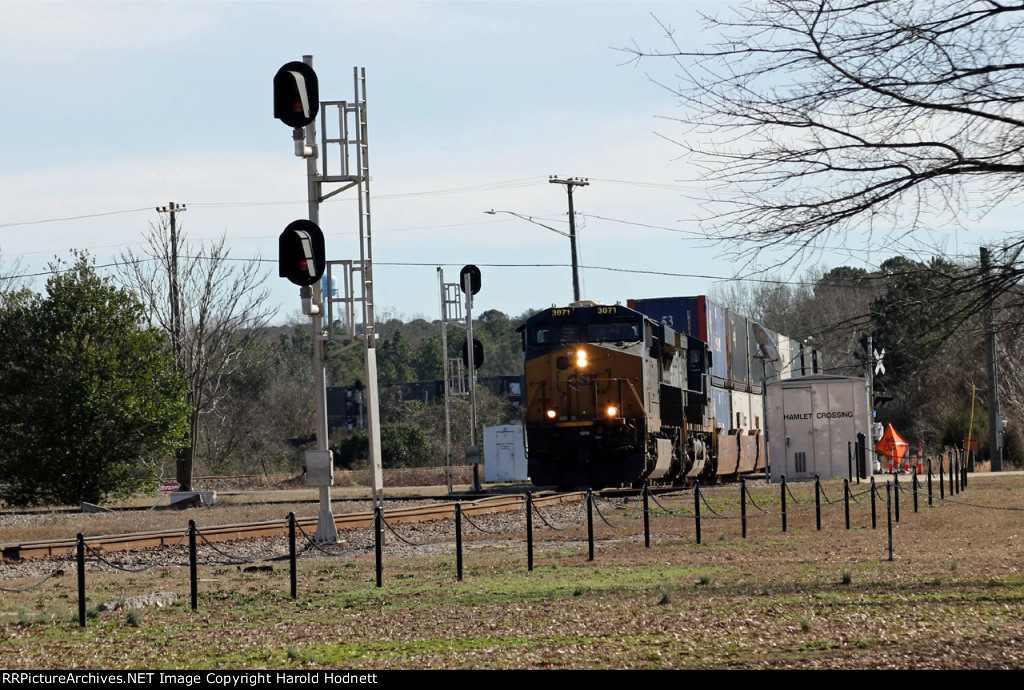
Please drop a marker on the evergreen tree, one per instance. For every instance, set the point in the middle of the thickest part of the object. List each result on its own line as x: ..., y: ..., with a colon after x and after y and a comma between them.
x: 87, y: 393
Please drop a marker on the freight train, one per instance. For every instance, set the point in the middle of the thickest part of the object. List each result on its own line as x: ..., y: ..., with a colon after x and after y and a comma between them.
x: 664, y: 390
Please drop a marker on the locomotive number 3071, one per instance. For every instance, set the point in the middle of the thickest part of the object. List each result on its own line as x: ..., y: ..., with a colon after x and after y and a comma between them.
x: 607, y: 310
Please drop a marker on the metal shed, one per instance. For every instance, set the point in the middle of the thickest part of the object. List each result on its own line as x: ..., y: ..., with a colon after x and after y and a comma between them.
x: 813, y: 422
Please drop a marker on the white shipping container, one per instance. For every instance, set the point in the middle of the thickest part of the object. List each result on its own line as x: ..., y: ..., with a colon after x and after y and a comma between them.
x: 785, y: 364
x: 742, y: 414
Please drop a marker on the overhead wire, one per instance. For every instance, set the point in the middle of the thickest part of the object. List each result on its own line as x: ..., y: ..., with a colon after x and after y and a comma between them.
x: 501, y: 184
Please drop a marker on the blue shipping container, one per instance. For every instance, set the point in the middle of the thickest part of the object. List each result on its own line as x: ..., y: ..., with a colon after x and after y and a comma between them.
x: 695, y: 316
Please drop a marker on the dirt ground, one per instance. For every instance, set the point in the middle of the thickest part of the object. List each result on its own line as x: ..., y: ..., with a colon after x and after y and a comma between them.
x: 951, y: 596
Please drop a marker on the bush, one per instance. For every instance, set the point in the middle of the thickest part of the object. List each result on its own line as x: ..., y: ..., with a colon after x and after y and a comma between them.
x: 401, y: 445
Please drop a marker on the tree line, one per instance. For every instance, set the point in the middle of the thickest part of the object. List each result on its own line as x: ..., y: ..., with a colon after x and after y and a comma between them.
x: 925, y: 315
x: 811, y: 120
x: 95, y: 402
x: 99, y: 398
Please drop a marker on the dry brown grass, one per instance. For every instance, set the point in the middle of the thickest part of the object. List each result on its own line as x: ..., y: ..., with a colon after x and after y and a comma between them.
x: 952, y: 597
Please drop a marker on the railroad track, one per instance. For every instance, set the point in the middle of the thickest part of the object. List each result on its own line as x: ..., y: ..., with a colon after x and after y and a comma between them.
x: 57, y: 548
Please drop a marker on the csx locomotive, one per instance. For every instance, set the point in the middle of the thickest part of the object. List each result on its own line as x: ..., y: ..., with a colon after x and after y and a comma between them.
x: 666, y: 389
x: 614, y: 397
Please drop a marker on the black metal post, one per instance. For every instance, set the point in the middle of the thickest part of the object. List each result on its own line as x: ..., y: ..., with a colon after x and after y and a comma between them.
x: 817, y: 500
x: 80, y: 557
x: 458, y: 541
x: 942, y: 481
x: 849, y: 460
x: 193, y: 570
x: 590, y: 525
x: 529, y: 530
x: 782, y: 489
x: 378, y: 547
x: 917, y: 489
x: 846, y: 501
x: 647, y: 516
x: 861, y: 461
x: 952, y: 473
x: 696, y: 508
x: 743, y: 506
x: 874, y: 513
x: 930, y: 498
x: 292, y: 560
x: 896, y: 494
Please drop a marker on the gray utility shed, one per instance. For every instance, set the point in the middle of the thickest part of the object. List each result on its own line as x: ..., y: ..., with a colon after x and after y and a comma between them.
x: 813, y: 422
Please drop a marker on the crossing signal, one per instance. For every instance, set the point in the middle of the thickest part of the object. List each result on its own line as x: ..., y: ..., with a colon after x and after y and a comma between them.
x: 296, y: 94
x: 301, y: 258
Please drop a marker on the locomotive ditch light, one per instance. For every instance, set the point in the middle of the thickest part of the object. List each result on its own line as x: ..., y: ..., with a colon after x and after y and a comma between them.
x: 612, y: 411
x: 551, y: 414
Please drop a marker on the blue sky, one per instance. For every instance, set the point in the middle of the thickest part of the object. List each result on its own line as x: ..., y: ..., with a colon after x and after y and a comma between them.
x: 123, y: 107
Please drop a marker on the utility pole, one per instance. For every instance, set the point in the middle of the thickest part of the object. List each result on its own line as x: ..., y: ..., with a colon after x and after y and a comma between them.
x: 569, y: 183
x: 995, y: 450
x: 184, y: 468
x: 870, y: 361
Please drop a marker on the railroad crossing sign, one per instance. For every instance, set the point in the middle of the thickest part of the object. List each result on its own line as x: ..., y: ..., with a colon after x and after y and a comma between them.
x: 879, y: 367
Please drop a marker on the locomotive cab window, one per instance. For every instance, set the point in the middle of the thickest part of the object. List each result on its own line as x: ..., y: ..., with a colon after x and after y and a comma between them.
x: 545, y: 337
x: 626, y: 332
x: 555, y: 335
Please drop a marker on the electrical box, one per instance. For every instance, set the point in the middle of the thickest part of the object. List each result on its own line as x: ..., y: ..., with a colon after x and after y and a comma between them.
x: 813, y: 422
x: 504, y: 454
x: 319, y: 468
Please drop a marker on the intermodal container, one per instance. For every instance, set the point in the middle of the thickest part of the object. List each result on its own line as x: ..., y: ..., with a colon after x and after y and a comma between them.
x: 696, y: 316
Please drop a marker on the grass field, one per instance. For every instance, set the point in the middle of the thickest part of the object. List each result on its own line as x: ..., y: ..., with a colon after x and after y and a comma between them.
x: 952, y: 597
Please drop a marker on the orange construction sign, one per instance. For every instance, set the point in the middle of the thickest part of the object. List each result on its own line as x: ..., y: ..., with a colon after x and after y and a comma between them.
x: 892, y: 445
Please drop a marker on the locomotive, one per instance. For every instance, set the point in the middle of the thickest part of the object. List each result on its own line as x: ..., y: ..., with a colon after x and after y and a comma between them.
x: 615, y: 397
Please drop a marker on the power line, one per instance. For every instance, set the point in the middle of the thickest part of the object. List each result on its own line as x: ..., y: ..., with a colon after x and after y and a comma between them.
x: 485, y: 187
x: 81, y: 217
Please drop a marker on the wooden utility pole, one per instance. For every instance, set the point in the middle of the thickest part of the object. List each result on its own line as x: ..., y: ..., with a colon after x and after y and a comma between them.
x: 569, y: 183
x: 995, y: 451
x: 184, y: 455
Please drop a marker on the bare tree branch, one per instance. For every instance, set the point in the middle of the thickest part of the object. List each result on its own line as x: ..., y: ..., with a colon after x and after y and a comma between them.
x: 813, y: 117
x: 221, y: 303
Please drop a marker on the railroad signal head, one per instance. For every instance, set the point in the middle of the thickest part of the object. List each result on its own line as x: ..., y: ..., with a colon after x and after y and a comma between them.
x: 473, y: 274
x: 478, y: 354
x: 296, y: 94
x: 301, y: 258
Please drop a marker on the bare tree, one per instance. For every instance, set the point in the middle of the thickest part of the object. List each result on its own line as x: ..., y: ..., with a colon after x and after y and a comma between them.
x: 221, y: 302
x: 820, y: 116
x: 10, y: 280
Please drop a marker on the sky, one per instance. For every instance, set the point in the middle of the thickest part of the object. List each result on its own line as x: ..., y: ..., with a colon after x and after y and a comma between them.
x: 114, y: 108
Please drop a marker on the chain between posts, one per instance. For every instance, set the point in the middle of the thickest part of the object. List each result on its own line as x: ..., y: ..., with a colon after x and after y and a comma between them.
x: 892, y: 508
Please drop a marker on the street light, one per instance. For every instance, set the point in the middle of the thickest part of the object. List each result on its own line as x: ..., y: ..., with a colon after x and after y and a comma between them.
x: 572, y: 240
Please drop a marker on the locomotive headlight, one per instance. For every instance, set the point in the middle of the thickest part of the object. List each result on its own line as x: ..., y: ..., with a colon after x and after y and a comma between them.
x: 581, y: 358
x: 612, y: 411
x: 551, y: 414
